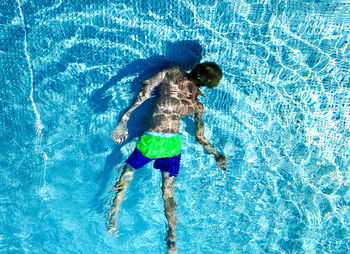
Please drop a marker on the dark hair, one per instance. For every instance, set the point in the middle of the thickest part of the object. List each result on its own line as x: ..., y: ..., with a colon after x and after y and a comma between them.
x: 206, y: 74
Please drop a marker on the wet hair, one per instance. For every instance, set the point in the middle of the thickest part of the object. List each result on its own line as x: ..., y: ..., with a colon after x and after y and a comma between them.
x: 206, y: 74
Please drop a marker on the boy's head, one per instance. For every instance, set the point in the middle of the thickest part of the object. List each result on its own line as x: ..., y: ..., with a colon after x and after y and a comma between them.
x: 206, y: 74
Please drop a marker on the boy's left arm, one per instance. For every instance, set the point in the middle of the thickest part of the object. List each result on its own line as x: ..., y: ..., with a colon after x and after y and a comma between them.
x: 221, y: 160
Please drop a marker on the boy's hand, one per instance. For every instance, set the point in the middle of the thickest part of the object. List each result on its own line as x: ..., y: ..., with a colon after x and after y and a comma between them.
x: 221, y: 162
x: 120, y: 133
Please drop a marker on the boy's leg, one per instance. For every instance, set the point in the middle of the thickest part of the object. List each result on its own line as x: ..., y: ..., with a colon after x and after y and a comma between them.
x: 168, y: 185
x: 120, y: 188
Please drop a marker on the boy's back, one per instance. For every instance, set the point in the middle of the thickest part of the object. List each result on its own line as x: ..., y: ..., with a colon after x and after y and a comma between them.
x: 178, y: 98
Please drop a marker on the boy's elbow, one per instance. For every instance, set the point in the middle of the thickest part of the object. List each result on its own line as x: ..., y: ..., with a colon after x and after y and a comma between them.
x: 201, y: 140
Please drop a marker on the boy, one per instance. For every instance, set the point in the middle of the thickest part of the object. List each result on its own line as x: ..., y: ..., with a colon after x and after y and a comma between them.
x: 178, y: 98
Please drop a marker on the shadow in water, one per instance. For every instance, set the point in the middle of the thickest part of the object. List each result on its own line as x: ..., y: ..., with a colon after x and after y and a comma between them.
x: 185, y: 54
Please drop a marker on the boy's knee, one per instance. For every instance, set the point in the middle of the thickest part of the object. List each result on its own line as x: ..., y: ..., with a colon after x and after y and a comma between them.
x: 169, y: 201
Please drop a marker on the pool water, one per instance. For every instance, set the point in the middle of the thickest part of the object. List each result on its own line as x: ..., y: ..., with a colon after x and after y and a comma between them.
x: 281, y: 115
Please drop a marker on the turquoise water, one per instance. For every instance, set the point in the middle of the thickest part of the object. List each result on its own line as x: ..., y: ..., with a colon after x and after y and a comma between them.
x: 70, y: 69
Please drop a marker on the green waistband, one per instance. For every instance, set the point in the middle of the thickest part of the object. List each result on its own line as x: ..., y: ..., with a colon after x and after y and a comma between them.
x: 155, y: 147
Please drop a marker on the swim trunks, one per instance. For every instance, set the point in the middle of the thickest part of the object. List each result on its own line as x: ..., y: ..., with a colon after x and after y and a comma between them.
x: 163, y: 148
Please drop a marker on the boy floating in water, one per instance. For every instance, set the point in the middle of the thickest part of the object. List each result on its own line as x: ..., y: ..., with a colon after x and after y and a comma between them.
x: 178, y: 98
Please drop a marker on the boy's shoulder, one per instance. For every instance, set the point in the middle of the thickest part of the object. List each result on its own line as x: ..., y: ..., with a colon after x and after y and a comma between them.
x: 175, y: 68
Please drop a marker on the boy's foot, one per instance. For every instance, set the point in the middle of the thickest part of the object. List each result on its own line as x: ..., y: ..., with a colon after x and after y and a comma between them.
x: 173, y: 250
x: 171, y: 247
x: 113, y: 230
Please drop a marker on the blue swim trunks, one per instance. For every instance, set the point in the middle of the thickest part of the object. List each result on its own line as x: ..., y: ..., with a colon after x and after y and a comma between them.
x: 163, y: 148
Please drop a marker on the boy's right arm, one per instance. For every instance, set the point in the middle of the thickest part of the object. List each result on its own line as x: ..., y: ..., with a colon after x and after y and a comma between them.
x: 120, y: 133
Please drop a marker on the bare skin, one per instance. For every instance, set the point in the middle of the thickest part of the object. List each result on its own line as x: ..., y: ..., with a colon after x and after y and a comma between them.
x: 168, y: 186
x: 178, y: 98
x: 120, y: 188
